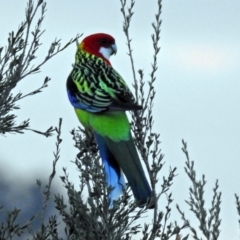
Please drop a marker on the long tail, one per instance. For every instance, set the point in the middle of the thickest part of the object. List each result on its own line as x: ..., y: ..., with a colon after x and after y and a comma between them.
x: 122, y: 155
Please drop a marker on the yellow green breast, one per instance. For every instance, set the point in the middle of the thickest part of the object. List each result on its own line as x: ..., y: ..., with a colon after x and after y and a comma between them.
x: 114, y: 125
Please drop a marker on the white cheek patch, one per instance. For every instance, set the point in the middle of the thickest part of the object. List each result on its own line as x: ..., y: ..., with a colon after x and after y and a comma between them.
x: 106, y: 52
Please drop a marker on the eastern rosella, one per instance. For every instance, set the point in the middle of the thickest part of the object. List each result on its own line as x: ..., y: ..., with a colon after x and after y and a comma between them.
x: 100, y: 98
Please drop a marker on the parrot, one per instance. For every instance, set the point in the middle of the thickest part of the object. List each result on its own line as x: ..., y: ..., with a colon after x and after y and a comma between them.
x: 100, y: 98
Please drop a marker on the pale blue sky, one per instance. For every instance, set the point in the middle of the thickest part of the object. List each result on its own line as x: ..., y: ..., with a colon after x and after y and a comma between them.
x: 198, y: 86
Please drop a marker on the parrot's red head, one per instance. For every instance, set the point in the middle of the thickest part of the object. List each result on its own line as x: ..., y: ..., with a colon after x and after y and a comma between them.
x: 99, y: 44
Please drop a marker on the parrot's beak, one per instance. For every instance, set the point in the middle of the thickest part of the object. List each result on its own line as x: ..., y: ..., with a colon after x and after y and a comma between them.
x: 114, y: 49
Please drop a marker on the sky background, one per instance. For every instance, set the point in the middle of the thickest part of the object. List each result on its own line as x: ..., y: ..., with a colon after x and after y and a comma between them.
x: 198, y: 93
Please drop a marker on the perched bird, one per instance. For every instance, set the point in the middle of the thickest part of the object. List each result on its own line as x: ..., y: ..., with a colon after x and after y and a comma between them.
x: 100, y: 98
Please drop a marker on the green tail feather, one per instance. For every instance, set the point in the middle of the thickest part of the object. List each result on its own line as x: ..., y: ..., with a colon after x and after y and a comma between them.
x: 127, y: 157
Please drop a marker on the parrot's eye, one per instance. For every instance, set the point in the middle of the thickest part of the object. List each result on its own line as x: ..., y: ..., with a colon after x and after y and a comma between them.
x: 104, y: 41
